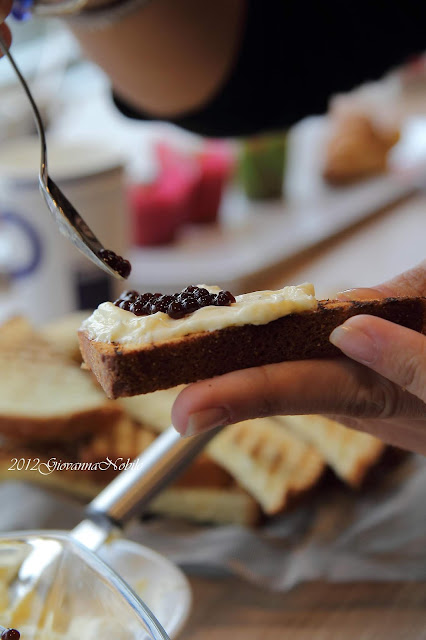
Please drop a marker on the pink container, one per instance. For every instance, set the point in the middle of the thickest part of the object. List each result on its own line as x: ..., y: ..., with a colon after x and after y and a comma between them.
x: 158, y: 210
x: 216, y: 164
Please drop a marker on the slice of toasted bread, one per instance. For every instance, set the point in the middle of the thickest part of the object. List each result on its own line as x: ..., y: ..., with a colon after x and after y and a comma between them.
x: 128, y: 439
x: 42, y: 395
x: 215, y: 505
x: 15, y: 331
x: 45, y: 464
x: 127, y: 370
x: 349, y: 453
x: 267, y: 461
x: 61, y: 334
x: 208, y: 505
x: 124, y: 441
x: 199, y: 496
x: 152, y: 409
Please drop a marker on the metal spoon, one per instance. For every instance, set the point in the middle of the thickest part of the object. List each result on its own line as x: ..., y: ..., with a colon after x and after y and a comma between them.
x: 69, y: 221
x: 127, y: 495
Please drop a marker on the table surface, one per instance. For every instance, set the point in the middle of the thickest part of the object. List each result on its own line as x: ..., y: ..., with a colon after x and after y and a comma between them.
x: 230, y: 608
x: 381, y: 247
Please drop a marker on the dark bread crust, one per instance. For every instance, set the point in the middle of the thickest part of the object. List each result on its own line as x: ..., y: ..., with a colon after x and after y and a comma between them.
x: 123, y: 370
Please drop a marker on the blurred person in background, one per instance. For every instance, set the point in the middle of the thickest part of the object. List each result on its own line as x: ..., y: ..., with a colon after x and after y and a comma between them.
x: 236, y: 67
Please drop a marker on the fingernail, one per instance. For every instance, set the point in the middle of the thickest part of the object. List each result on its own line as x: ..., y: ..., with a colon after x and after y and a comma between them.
x: 205, y: 420
x: 358, y: 294
x: 354, y: 343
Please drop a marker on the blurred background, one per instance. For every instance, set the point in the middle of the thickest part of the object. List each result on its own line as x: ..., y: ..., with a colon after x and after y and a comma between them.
x: 236, y: 213
x: 337, y: 200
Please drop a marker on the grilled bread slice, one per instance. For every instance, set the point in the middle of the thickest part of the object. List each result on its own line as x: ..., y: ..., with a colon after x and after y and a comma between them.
x: 266, y: 460
x: 128, y: 370
x: 213, y: 505
x: 204, y: 492
x: 348, y: 452
x: 128, y: 439
x: 44, y: 396
x: 61, y: 334
x: 152, y: 409
x: 15, y: 331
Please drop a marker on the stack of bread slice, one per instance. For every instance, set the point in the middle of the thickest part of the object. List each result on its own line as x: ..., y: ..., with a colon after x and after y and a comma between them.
x: 43, y: 395
x: 54, y: 411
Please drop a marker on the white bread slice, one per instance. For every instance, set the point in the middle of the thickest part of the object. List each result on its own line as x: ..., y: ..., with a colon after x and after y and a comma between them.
x: 267, y: 461
x: 348, y: 452
x: 213, y: 505
x: 152, y: 409
x: 125, y: 440
x: 61, y: 334
x: 245, y: 458
x: 42, y: 395
x: 198, y: 499
x: 15, y: 331
x: 208, y: 505
x: 128, y: 439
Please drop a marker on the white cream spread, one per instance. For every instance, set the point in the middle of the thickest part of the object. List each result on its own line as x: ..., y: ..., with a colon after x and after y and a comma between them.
x: 109, y: 323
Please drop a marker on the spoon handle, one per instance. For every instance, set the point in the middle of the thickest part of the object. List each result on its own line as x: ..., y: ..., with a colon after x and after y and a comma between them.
x: 37, y: 117
x: 154, y: 469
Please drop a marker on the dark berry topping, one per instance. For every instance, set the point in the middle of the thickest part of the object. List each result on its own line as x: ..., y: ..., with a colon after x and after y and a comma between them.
x: 130, y: 295
x: 190, y: 304
x: 139, y: 308
x: 184, y: 295
x: 175, y: 306
x: 200, y: 292
x: 10, y: 634
x: 125, y: 304
x: 163, y: 303
x: 224, y: 299
x: 176, y: 310
x: 119, y: 264
x: 206, y: 300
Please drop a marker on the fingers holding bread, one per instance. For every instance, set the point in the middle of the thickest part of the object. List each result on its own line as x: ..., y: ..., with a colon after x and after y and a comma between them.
x: 338, y: 387
x: 394, y: 352
x: 409, y: 283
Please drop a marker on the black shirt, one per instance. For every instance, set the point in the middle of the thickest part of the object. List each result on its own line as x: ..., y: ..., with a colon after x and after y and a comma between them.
x: 295, y: 54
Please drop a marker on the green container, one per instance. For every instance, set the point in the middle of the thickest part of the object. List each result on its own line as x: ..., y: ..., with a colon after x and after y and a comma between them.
x: 261, y: 165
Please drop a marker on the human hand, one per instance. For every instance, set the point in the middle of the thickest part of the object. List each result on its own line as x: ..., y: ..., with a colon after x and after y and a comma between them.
x: 379, y: 387
x: 5, y: 9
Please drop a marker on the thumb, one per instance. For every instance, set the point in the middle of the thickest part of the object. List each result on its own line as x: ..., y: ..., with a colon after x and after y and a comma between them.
x: 410, y: 283
x: 397, y: 353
